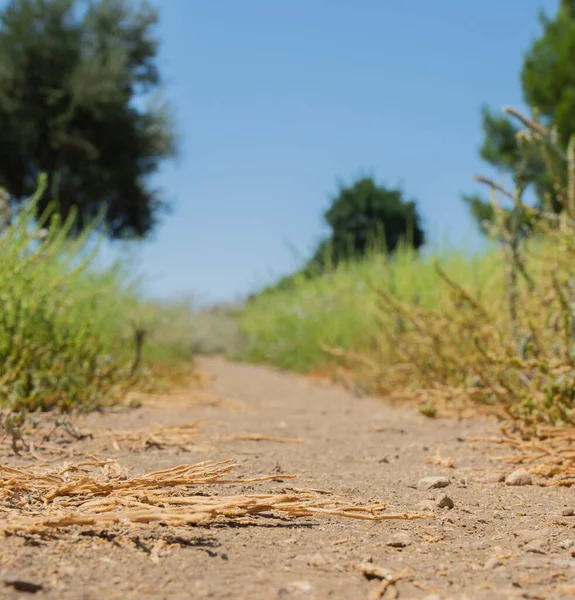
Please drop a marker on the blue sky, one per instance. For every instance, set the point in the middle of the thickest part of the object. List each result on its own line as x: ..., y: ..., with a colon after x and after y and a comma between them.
x: 278, y: 101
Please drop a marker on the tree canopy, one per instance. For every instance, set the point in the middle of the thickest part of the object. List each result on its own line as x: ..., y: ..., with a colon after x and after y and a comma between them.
x: 548, y: 84
x: 364, y: 214
x: 79, y: 101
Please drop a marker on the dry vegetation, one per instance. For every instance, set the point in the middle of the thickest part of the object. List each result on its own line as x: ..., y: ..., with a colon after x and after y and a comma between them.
x: 547, y: 452
x: 513, y: 348
x: 493, y: 334
x: 498, y: 332
x: 95, y: 492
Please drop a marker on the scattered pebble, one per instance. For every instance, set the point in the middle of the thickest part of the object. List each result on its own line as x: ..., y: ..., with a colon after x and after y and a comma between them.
x: 497, y: 478
x: 519, y: 477
x: 399, y: 540
x: 566, y: 544
x: 492, y: 563
x: 444, y: 501
x: 568, y: 512
x: 432, y: 483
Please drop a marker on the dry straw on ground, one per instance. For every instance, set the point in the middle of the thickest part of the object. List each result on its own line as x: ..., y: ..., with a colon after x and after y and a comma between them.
x: 546, y: 452
x: 100, y: 493
x: 50, y: 441
x: 179, y: 436
x: 386, y: 578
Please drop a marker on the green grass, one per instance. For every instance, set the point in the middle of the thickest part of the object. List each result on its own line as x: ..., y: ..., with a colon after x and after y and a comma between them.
x: 67, y: 329
x: 287, y: 328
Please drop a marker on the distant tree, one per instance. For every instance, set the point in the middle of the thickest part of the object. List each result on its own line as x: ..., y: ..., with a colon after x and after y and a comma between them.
x: 362, y: 217
x: 364, y: 214
x: 74, y: 77
x: 548, y: 83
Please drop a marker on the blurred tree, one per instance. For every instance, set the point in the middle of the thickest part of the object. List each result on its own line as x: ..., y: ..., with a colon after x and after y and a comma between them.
x: 515, y: 157
x: 363, y: 215
x: 548, y: 83
x: 548, y: 77
x: 79, y: 101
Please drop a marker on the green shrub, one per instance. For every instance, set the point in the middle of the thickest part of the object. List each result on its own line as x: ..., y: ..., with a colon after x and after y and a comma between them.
x: 67, y: 330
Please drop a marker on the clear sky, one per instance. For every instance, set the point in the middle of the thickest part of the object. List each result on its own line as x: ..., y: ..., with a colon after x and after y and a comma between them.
x: 277, y: 101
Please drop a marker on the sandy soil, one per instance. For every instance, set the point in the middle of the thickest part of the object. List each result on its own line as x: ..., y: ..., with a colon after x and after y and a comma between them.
x: 496, y: 542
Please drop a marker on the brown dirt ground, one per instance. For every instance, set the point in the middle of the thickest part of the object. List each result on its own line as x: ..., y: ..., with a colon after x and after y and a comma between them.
x: 360, y: 448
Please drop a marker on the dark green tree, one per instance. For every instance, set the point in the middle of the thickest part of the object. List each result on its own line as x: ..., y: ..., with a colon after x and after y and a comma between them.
x: 548, y: 84
x: 363, y: 215
x: 548, y: 77
x: 79, y: 101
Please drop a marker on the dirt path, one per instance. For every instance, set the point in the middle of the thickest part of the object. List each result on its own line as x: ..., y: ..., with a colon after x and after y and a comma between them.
x: 496, y: 542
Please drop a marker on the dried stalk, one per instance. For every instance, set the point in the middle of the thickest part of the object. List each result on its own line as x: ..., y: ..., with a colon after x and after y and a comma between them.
x: 35, y: 500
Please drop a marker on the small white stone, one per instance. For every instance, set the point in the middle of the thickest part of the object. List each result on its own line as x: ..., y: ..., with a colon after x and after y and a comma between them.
x: 519, y: 477
x: 432, y: 483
